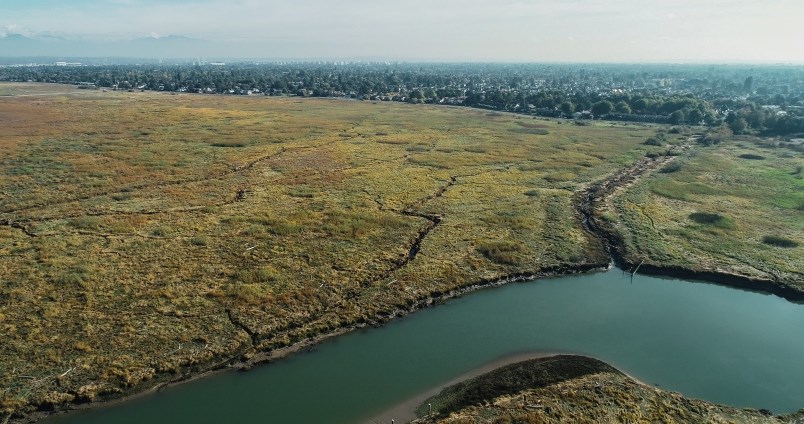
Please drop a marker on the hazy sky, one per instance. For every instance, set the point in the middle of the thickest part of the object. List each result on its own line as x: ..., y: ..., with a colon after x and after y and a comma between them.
x: 443, y: 30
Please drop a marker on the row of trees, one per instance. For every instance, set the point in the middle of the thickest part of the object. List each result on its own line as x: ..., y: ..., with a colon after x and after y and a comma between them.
x: 550, y: 90
x: 753, y: 119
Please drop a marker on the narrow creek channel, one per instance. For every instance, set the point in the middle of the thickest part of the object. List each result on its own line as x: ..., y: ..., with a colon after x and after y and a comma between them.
x: 706, y: 341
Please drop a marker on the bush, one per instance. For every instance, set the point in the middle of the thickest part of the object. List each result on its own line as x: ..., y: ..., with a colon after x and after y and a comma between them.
x: 712, y: 219
x: 652, y: 141
x: 671, y: 167
x: 752, y: 156
x: 198, y: 241
x: 779, y: 241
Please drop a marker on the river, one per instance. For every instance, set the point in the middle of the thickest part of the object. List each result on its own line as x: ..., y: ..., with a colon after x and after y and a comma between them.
x: 706, y: 341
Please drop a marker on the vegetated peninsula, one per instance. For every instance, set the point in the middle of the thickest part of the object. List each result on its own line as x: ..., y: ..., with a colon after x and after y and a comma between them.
x: 576, y: 389
x: 149, y: 237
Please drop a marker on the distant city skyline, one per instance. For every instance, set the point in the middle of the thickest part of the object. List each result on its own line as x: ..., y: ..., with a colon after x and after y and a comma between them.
x: 430, y: 30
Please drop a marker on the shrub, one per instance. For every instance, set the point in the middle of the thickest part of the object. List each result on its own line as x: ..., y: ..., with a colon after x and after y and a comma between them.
x: 779, y: 241
x: 532, y: 193
x: 652, y: 141
x: 671, y: 167
x: 198, y: 241
x: 752, y: 156
x: 712, y: 219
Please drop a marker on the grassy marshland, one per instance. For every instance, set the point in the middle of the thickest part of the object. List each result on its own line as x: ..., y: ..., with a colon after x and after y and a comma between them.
x: 149, y: 235
x: 144, y: 236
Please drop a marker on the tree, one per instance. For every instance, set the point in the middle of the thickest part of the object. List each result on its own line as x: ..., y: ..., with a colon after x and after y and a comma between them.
x: 643, y: 105
x: 601, y: 108
x: 676, y: 117
x: 756, y: 119
x: 695, y: 117
x: 748, y: 84
x: 738, y: 126
x: 622, y: 107
x: 567, y: 108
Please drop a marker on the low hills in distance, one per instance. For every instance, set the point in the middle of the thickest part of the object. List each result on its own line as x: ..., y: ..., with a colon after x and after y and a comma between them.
x: 18, y: 45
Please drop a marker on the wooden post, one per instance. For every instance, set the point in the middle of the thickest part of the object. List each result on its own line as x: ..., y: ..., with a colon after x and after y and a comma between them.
x: 637, y: 269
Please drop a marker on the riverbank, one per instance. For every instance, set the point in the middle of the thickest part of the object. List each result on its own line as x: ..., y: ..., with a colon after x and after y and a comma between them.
x: 252, y: 356
x: 679, y: 324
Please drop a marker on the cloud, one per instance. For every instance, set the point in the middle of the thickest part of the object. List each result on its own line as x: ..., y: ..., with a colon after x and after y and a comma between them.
x: 442, y: 29
x: 7, y: 30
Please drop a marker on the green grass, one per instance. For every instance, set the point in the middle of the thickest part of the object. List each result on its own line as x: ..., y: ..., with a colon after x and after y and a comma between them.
x: 718, y: 210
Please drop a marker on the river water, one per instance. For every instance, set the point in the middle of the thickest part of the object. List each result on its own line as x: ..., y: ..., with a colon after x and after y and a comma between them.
x: 706, y: 341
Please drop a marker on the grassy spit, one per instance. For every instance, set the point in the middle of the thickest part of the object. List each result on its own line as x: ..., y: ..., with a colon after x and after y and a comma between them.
x: 576, y: 389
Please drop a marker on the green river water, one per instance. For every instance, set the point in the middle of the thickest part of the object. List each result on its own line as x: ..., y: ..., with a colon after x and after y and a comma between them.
x: 706, y: 341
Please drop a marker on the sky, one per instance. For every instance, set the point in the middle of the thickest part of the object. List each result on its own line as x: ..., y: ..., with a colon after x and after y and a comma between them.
x: 707, y: 31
